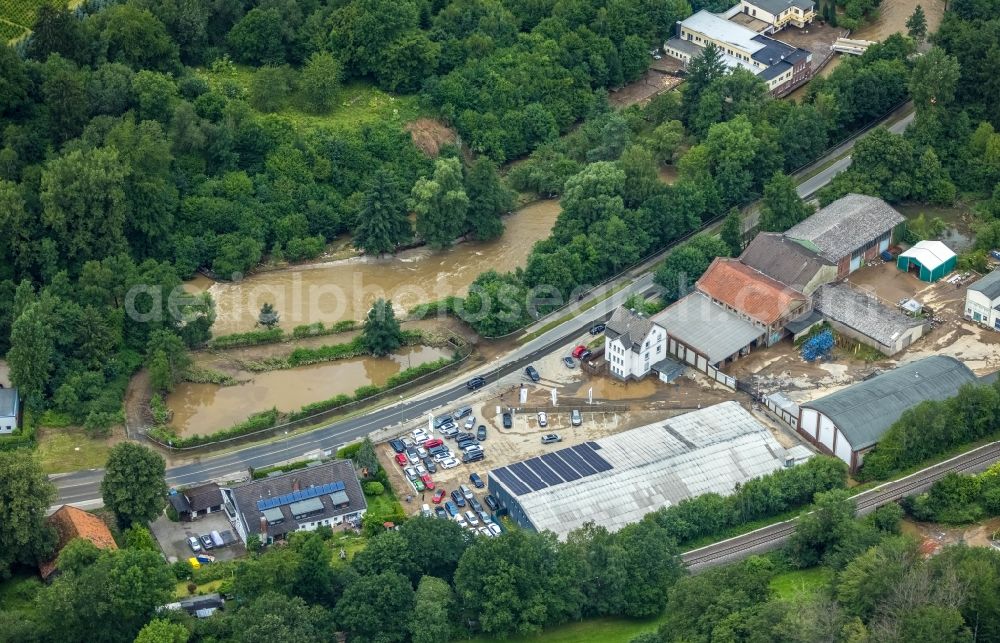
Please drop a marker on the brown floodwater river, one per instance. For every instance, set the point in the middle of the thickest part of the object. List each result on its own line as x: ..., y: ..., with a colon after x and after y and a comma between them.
x: 339, y: 290
x: 207, y: 408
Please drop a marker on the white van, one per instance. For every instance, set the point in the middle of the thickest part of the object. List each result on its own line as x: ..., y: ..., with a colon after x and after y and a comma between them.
x: 426, y: 510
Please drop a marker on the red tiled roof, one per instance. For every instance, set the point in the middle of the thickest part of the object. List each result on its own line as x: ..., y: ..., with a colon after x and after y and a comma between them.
x: 71, y: 523
x: 748, y: 291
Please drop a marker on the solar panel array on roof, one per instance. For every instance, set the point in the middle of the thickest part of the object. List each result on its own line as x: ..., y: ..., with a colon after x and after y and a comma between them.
x: 550, y: 469
x: 297, y: 496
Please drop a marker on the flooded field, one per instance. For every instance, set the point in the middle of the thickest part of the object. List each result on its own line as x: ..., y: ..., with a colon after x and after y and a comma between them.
x: 892, y: 17
x: 205, y: 408
x: 959, y: 235
x: 330, y: 292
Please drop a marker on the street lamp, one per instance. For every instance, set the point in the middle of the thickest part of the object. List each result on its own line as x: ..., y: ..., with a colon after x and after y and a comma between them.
x: 401, y: 410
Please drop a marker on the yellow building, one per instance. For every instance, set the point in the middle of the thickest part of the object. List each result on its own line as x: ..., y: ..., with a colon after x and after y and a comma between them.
x: 780, y: 13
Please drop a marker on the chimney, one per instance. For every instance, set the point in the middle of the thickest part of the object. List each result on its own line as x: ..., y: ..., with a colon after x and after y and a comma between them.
x: 295, y: 484
x: 263, y: 528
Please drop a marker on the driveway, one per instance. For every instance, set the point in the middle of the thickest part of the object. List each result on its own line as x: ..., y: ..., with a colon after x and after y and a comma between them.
x: 173, y: 536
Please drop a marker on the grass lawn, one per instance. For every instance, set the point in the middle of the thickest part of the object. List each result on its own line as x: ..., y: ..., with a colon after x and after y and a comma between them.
x: 71, y: 449
x: 18, y: 591
x: 801, y: 581
x: 181, y: 591
x: 605, y: 630
x: 357, y: 103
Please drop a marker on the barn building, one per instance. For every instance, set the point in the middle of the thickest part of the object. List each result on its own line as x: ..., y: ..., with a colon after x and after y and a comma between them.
x: 849, y: 422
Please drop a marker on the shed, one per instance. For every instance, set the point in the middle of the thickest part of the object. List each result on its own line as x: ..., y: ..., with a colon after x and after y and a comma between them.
x: 10, y: 410
x: 929, y: 260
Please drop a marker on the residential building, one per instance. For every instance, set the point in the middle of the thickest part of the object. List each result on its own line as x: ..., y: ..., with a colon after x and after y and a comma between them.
x: 848, y: 423
x: 196, y: 502
x: 982, y: 301
x: 862, y: 316
x: 69, y: 523
x: 848, y: 232
x: 326, y: 494
x: 706, y: 335
x: 778, y: 14
x: 753, y: 296
x: 929, y: 260
x: 10, y: 410
x: 616, y: 480
x: 198, y: 606
x: 788, y: 262
x: 632, y: 344
x: 778, y: 64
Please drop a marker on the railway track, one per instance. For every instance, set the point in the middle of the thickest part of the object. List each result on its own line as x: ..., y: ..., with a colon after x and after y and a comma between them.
x: 773, y: 536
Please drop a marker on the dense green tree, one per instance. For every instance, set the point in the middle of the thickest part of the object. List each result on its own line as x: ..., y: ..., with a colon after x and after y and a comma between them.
x: 441, y: 204
x: 382, y: 334
x: 449, y: 545
x: 64, y: 92
x: 732, y: 232
x: 406, y: 62
x: 431, y: 618
x: 383, y: 223
x: 259, y: 37
x: 77, y: 555
x: 315, y: 581
x: 135, y: 37
x: 702, y: 71
x: 916, y: 24
x: 685, y: 265
x: 32, y: 353
x: 268, y: 316
x: 367, y: 458
x: 821, y: 530
x: 167, y: 360
x: 387, y: 553
x: 278, y: 618
x: 934, y: 79
x: 489, y: 199
x: 370, y: 608
x: 666, y: 140
x: 782, y: 207
x: 56, y: 31
x: 139, y: 537
x: 363, y: 31
x: 25, y: 496
x: 868, y: 580
x: 270, y: 87
x: 161, y: 631
x: 133, y: 486
x: 319, y: 82
x: 13, y: 81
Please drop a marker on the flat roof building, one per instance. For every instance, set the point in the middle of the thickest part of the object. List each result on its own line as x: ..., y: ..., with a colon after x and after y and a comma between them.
x: 616, y: 480
x: 701, y: 332
x: 982, y: 301
x: 849, y: 422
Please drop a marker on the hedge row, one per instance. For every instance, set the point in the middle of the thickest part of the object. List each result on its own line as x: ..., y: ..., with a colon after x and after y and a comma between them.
x: 447, y: 306
x: 284, y: 468
x: 256, y: 422
x: 317, y: 329
x: 250, y: 338
x: 24, y: 438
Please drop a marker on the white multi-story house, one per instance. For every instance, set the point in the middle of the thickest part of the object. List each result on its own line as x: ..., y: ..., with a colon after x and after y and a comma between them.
x: 780, y: 13
x: 633, y: 344
x: 982, y: 301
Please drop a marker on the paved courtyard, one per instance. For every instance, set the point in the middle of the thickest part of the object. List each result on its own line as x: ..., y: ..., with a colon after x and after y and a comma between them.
x: 173, y: 536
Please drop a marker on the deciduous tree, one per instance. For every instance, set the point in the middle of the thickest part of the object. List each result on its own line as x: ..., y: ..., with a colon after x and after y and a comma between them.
x: 441, y: 204
x: 133, y: 485
x: 25, y: 497
x: 782, y: 207
x: 382, y: 334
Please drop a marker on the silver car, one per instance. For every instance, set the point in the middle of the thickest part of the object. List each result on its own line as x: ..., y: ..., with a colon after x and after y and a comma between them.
x: 575, y: 418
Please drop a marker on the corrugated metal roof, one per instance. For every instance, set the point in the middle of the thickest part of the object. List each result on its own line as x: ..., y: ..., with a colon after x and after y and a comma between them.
x: 988, y: 285
x: 863, y: 313
x: 707, y: 327
x: 864, y: 411
x: 845, y: 225
x: 783, y: 260
x: 658, y: 465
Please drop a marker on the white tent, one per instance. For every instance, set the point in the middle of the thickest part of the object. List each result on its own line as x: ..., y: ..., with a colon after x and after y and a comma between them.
x: 930, y: 254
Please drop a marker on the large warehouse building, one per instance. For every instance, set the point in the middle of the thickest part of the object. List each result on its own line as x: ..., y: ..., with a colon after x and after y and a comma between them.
x: 616, y: 480
x: 849, y: 422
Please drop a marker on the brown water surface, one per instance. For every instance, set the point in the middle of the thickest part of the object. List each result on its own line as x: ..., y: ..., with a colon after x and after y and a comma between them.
x: 207, y: 408
x: 330, y: 292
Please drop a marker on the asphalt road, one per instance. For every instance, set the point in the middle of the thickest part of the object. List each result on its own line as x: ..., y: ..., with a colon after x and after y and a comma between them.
x: 82, y: 488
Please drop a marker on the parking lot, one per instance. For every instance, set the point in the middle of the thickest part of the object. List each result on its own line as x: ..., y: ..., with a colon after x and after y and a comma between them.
x: 173, y: 537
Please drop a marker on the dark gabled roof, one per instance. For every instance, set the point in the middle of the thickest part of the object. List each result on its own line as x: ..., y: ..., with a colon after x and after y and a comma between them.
x: 9, y: 402
x: 845, y: 225
x: 864, y: 411
x: 783, y: 260
x: 248, y: 495
x: 203, y: 496
x: 988, y: 285
x: 775, y: 7
x: 629, y: 327
x: 774, y: 52
x: 863, y: 313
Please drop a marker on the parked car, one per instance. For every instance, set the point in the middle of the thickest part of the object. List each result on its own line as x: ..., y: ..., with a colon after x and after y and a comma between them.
x: 430, y: 464
x: 439, y: 512
x: 473, y: 456
x: 430, y: 444
x: 466, y: 491
x: 412, y: 456
x: 568, y: 361
x: 401, y: 459
x: 476, y: 505
x: 441, y: 420
x: 549, y: 438
x: 448, y: 424
x: 532, y: 373
x: 508, y: 420
x: 418, y: 484
x: 194, y: 544
x: 465, y: 442
x: 494, y: 529
x: 438, y: 496
x: 206, y: 542
x: 421, y: 469
x: 428, y: 481
x: 476, y: 481
x: 410, y: 473
x: 407, y: 441
x: 483, y: 531
x: 481, y: 432
x: 442, y: 456
x: 397, y: 445
x: 419, y: 436
x: 458, y: 498
x: 597, y: 329
x: 425, y: 511
x: 657, y: 57
x: 472, y: 448
x: 485, y: 517
x: 575, y: 418
x: 460, y: 519
x: 449, y: 463
x: 462, y: 412
x: 543, y: 420
x: 470, y: 423
x: 451, y: 508
x: 491, y: 502
x: 581, y: 352
x: 450, y: 431
x: 421, y: 452
x: 475, y: 383
x: 471, y: 518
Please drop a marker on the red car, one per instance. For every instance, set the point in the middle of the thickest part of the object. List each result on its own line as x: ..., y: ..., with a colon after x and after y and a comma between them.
x: 581, y: 352
x: 428, y: 482
x: 438, y: 496
x: 401, y: 459
x: 436, y: 442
